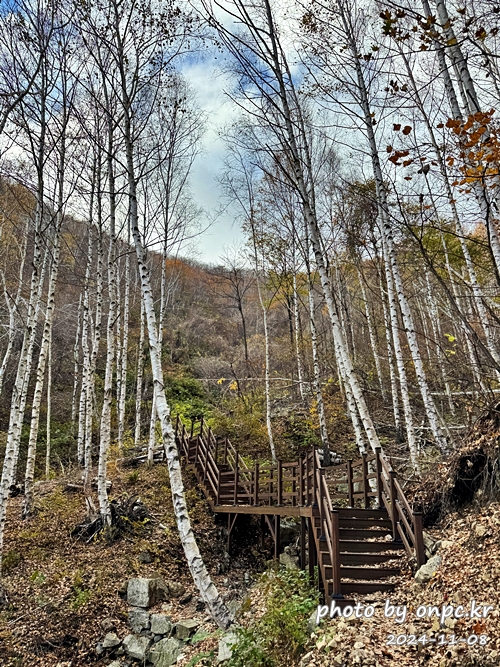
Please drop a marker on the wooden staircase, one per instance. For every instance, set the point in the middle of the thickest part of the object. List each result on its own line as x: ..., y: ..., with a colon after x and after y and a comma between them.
x: 356, y: 542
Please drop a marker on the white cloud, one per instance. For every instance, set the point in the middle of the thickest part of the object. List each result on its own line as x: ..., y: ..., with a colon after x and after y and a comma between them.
x: 208, y: 84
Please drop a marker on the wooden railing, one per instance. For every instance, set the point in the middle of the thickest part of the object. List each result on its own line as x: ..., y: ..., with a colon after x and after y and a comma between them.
x: 356, y: 483
x: 367, y: 482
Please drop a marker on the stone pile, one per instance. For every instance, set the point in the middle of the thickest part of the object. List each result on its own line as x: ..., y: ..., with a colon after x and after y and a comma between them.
x: 154, y: 640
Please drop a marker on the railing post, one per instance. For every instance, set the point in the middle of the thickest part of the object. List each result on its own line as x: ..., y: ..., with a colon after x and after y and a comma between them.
x: 236, y: 475
x: 271, y: 485
x: 177, y: 426
x: 337, y: 590
x: 205, y: 467
x: 192, y: 428
x: 256, y: 485
x: 201, y: 425
x: 301, y: 481
x: 365, y: 479
x: 279, y: 473
x: 350, y: 490
x: 216, y: 452
x: 319, y: 494
x: 308, y: 481
x: 394, y: 509
x: 419, y: 538
x: 225, y: 450
x: 196, y: 449
x: 294, y: 487
x: 314, y: 482
x: 217, y: 499
x: 378, y: 464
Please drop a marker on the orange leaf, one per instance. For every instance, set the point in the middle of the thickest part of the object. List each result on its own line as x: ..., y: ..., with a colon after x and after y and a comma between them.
x: 397, y: 126
x: 406, y: 129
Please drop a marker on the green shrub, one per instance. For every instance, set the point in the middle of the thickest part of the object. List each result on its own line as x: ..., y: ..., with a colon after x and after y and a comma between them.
x: 280, y: 635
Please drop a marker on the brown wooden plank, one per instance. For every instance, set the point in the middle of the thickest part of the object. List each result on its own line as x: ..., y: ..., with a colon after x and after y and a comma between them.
x: 367, y: 559
x: 366, y: 587
x: 368, y: 573
x: 351, y: 522
x: 354, y: 546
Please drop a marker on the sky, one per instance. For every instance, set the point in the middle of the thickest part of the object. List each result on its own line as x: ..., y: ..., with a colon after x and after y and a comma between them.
x: 222, y: 232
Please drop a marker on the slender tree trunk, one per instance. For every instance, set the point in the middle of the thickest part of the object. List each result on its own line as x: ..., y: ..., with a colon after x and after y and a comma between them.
x: 76, y: 358
x: 49, y: 408
x: 123, y: 383
x: 403, y: 381
x: 317, y: 379
x: 40, y: 375
x: 373, y: 338
x: 105, y: 426
x: 300, y: 372
x: 390, y: 359
x: 140, y: 371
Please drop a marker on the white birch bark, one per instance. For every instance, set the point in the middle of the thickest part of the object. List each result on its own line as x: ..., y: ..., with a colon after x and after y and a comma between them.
x: 49, y: 409
x: 76, y: 359
x: 13, y: 307
x: 105, y: 426
x: 390, y: 359
x: 372, y: 336
x: 398, y: 353
x: 300, y: 372
x: 317, y: 379
x: 200, y: 575
x: 124, y: 354
x: 140, y: 371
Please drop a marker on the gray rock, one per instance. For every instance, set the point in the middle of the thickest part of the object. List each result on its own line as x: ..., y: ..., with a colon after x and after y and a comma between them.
x: 226, y: 647
x: 115, y: 663
x: 160, y: 624
x: 165, y: 652
x: 137, y: 647
x: 111, y: 640
x: 311, y: 623
x: 145, y: 593
x: 138, y: 619
x: 289, y: 561
x: 428, y: 570
x: 184, y: 629
x: 145, y: 557
x: 175, y: 589
x: 234, y: 607
x: 108, y: 624
x: 306, y: 659
x: 99, y: 649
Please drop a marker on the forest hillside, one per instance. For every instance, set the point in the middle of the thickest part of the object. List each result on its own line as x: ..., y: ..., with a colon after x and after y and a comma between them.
x: 202, y: 459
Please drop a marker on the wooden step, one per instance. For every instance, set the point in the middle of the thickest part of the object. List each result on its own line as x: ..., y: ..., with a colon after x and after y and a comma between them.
x: 362, y: 534
x: 354, y: 546
x: 366, y: 559
x: 366, y: 587
x: 353, y: 522
x: 360, y: 558
x: 371, y: 573
x: 362, y: 513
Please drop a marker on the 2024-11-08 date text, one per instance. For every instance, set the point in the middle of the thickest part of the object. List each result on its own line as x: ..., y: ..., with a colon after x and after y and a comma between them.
x: 440, y: 640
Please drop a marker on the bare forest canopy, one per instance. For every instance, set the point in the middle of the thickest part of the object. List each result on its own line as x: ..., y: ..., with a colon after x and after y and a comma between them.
x: 362, y: 162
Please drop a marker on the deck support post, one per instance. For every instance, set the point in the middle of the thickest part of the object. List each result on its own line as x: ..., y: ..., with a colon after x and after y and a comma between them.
x: 277, y: 536
x: 303, y: 542
x: 311, y: 547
